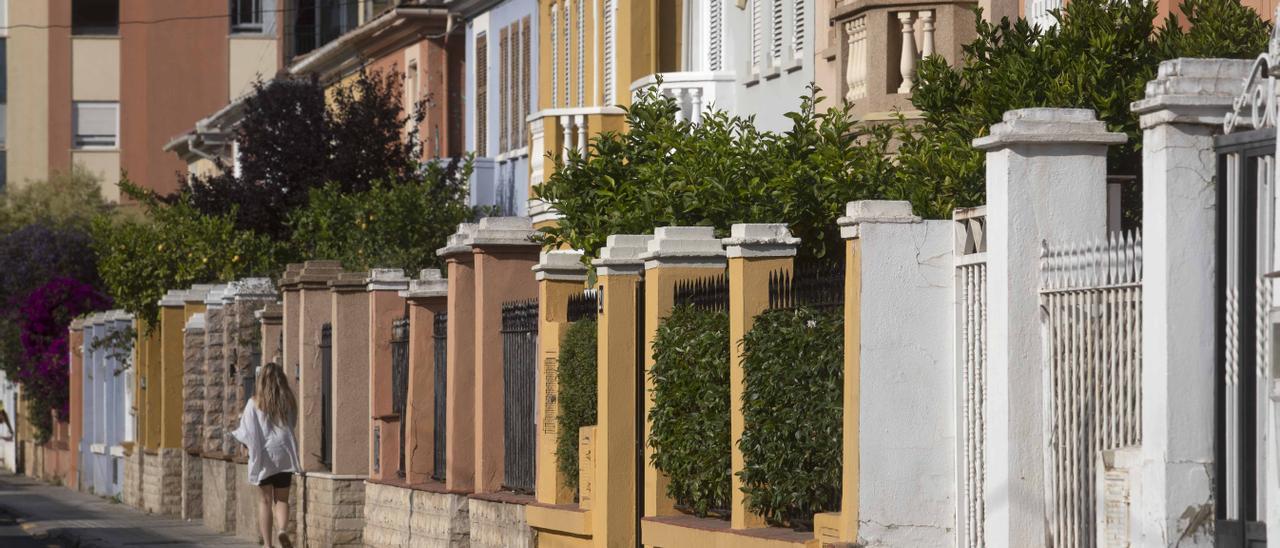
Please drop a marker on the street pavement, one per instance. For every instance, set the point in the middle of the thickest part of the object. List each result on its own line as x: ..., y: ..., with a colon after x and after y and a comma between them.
x: 35, y: 514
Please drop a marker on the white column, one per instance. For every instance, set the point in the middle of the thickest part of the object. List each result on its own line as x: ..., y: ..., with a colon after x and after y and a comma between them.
x: 907, y: 65
x: 580, y: 120
x: 695, y: 105
x: 1182, y: 111
x: 1046, y: 180
x: 566, y: 126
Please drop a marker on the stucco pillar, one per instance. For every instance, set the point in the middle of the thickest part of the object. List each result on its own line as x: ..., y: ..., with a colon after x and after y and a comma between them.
x: 314, y: 310
x: 619, y: 275
x: 559, y: 273
x: 504, y: 255
x: 460, y: 396
x: 289, y: 304
x: 271, y: 325
x: 675, y: 253
x: 350, y: 416
x: 427, y: 297
x: 1182, y: 111
x: 754, y: 251
x: 75, y: 426
x: 385, y: 307
x: 1046, y: 181
x: 169, y: 379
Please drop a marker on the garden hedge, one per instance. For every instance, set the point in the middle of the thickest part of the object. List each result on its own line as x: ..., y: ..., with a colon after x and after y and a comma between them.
x: 577, y: 376
x: 793, y: 372
x: 689, y: 422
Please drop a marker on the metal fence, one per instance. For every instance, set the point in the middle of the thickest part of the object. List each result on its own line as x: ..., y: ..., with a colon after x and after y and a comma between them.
x: 400, y: 381
x: 519, y: 375
x: 815, y: 285
x: 971, y: 361
x: 439, y: 335
x: 1092, y: 297
x: 584, y: 305
x: 326, y: 395
x: 709, y: 293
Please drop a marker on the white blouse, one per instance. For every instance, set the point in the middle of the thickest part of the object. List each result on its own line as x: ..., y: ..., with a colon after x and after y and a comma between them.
x: 272, y: 447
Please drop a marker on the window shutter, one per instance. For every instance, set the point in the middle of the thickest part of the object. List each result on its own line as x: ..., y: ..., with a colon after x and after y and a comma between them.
x: 775, y: 52
x: 555, y: 54
x: 94, y: 124
x: 610, y: 41
x: 504, y: 98
x: 757, y: 35
x: 482, y: 95
x: 717, y: 33
x: 797, y: 34
x: 526, y: 80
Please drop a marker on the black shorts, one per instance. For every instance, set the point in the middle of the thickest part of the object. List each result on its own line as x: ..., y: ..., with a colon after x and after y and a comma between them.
x: 280, y: 481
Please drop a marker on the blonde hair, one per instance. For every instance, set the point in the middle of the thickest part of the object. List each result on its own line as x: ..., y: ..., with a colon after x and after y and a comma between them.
x: 273, y: 396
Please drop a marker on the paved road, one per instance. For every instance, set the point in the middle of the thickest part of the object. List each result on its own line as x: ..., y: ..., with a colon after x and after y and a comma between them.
x: 32, y: 512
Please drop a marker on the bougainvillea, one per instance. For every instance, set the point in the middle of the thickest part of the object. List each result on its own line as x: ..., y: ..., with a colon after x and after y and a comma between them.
x: 45, y: 315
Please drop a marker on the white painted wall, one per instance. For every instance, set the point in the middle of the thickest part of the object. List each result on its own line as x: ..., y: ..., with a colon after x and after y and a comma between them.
x: 8, y: 444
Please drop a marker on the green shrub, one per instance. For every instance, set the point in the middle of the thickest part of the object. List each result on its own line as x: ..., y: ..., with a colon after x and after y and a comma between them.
x: 689, y: 422
x: 793, y: 371
x: 577, y: 376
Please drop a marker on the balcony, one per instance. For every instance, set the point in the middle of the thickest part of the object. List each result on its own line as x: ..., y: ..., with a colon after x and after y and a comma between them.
x: 695, y: 92
x: 562, y: 130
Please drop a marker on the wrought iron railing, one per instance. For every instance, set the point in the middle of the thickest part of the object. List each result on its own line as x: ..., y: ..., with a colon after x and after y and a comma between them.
x: 519, y: 359
x: 326, y: 395
x: 439, y: 335
x: 815, y: 285
x: 584, y: 305
x: 400, y: 380
x: 710, y: 293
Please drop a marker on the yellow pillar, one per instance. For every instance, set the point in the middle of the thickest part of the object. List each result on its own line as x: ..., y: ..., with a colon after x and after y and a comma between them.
x: 754, y: 251
x: 175, y: 308
x: 619, y: 272
x: 559, y: 275
x: 152, y: 384
x: 851, y: 451
x: 675, y: 254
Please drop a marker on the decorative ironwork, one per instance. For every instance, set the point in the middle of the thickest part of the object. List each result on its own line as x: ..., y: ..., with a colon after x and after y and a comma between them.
x: 1256, y: 105
x: 326, y: 395
x: 709, y: 293
x: 400, y: 380
x: 584, y: 305
x: 812, y: 285
x: 971, y: 358
x: 519, y: 378
x: 440, y: 341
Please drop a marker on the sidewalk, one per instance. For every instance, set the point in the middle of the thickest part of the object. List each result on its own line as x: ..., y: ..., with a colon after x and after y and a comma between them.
x: 87, y: 520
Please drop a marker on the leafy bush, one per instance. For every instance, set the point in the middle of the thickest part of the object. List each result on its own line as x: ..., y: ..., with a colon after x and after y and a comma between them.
x: 792, y: 409
x: 577, y: 376
x: 689, y: 422
x: 392, y: 224
x: 68, y: 199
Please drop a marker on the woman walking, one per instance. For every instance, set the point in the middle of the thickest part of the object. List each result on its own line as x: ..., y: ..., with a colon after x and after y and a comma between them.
x: 266, y: 428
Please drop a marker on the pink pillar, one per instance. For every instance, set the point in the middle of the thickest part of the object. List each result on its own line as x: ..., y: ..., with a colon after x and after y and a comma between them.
x: 350, y: 375
x: 385, y: 307
x: 460, y: 431
x: 314, y: 310
x: 289, y: 323
x: 427, y: 297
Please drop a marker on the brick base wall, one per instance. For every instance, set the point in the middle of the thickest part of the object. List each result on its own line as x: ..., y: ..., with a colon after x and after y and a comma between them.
x: 498, y: 525
x: 397, y: 516
x: 192, y: 486
x: 334, y: 511
x: 162, y: 482
x: 132, y: 490
x: 219, y: 495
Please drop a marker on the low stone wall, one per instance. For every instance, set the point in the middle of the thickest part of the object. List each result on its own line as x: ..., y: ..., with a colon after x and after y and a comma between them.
x: 132, y: 490
x: 496, y: 524
x: 219, y: 496
x: 192, y: 486
x: 334, y: 510
x: 162, y: 482
x: 399, y: 516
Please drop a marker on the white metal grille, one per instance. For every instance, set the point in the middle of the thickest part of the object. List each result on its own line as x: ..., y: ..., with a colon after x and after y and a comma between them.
x: 1092, y: 298
x: 971, y: 360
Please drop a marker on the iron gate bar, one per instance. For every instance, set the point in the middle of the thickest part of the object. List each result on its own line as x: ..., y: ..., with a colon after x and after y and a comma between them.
x: 326, y: 395
x: 400, y: 381
x: 439, y: 334
x: 708, y: 293
x: 817, y: 285
x: 519, y: 365
x: 584, y: 305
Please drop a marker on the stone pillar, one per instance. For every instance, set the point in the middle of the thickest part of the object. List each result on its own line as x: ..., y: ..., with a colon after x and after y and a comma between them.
x: 1182, y: 111
x: 1046, y: 181
x: 350, y: 416
x: 241, y: 301
x: 619, y: 275
x: 754, y: 251
x: 560, y: 274
x: 314, y: 309
x: 460, y: 431
x: 193, y: 417
x: 213, y: 431
x: 504, y: 255
x: 427, y: 296
x: 675, y: 254
x: 385, y: 307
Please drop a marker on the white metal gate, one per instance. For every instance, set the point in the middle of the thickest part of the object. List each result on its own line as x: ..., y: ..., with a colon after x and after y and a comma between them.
x: 971, y: 359
x: 1091, y: 298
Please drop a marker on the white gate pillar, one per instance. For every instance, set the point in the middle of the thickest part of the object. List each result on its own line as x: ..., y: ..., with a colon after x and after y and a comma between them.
x: 1183, y: 109
x: 1046, y: 180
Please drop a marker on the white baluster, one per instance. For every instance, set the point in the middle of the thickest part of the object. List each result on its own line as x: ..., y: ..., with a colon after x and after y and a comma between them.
x: 566, y: 126
x: 909, y: 54
x: 926, y: 29
x: 581, y: 121
x: 695, y: 104
x: 851, y: 62
x: 678, y: 95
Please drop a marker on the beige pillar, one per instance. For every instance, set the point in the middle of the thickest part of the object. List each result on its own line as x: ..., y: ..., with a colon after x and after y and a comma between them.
x: 619, y: 272
x: 460, y: 431
x: 559, y: 275
x: 289, y: 323
x: 314, y: 310
x: 350, y: 374
x: 755, y: 251
x: 385, y: 307
x: 271, y: 321
x: 427, y: 297
x: 676, y: 253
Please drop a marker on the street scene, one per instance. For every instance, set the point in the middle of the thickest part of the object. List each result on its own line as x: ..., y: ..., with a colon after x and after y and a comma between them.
x: 639, y: 273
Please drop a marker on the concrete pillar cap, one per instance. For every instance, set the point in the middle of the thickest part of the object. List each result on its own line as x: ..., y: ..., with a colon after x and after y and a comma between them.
x: 1192, y: 91
x: 760, y: 240
x: 273, y: 313
x: 249, y: 288
x: 621, y: 254
x: 430, y: 283
x: 214, y: 296
x: 77, y: 324
x: 874, y: 211
x: 687, y: 246
x: 387, y: 279
x: 560, y: 264
x: 196, y: 321
x: 504, y: 231
x: 173, y: 297
x: 459, y: 241
x: 1049, y: 126
x: 198, y: 292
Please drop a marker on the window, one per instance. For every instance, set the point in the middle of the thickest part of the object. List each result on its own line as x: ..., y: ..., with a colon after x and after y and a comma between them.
x: 95, y: 17
x: 95, y: 124
x: 246, y: 15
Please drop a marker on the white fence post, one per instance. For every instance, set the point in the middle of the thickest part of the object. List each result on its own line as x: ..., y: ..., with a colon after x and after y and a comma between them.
x: 1181, y: 113
x: 1046, y: 180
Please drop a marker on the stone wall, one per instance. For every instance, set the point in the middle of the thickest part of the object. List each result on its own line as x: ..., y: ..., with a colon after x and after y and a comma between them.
x: 192, y: 486
x: 132, y: 490
x: 193, y: 382
x: 214, y: 372
x: 334, y: 511
x: 398, y: 516
x: 498, y: 525
x: 162, y: 482
x: 219, y: 495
